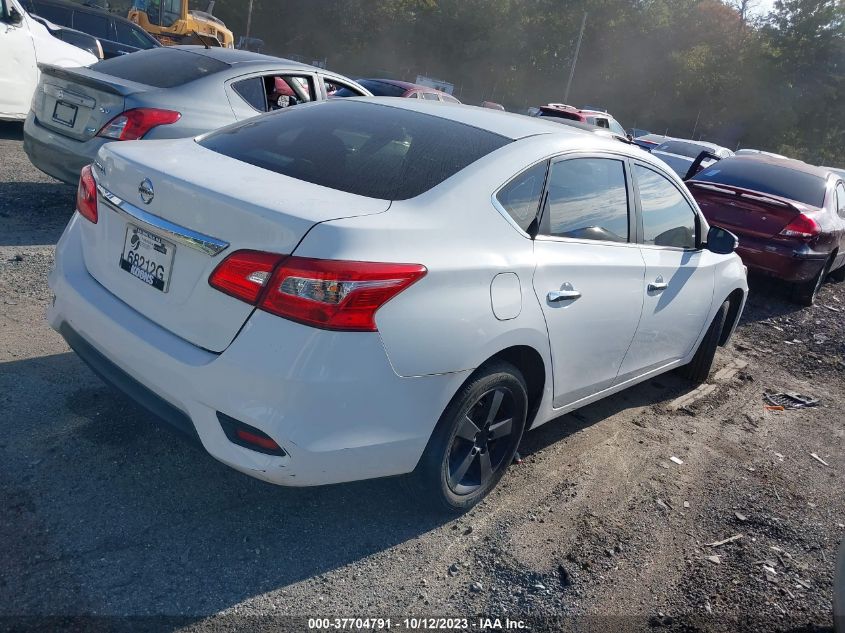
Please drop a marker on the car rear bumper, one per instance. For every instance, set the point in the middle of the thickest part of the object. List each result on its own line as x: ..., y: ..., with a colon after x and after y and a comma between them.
x: 780, y: 260
x: 330, y: 399
x: 56, y: 155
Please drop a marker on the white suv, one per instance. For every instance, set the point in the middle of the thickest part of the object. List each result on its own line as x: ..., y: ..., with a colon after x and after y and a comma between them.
x: 367, y: 287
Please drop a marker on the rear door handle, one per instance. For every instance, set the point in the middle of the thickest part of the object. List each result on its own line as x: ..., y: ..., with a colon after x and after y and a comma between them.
x: 556, y: 296
x: 657, y: 286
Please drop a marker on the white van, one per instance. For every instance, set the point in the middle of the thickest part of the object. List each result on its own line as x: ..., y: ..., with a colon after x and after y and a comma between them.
x: 25, y: 43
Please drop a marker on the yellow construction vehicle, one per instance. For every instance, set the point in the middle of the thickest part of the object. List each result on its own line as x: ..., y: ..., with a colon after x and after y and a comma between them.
x: 173, y: 22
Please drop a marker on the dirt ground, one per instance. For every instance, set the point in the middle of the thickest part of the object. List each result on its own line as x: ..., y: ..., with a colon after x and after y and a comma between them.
x: 105, y: 515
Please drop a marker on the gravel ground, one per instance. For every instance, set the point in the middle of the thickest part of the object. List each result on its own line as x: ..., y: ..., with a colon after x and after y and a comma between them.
x: 105, y: 515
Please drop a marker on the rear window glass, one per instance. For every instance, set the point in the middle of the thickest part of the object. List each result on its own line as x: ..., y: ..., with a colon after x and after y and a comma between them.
x: 775, y: 180
x: 361, y: 148
x: 557, y: 114
x: 690, y: 150
x: 378, y: 88
x: 160, y: 67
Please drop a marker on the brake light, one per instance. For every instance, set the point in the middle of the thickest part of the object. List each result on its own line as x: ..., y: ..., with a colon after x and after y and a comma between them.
x: 244, y: 274
x: 135, y: 123
x: 86, y: 195
x: 803, y: 227
x: 336, y: 295
x: 323, y: 293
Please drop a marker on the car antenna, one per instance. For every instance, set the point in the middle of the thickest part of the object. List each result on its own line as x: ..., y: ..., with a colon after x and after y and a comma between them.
x: 202, y: 40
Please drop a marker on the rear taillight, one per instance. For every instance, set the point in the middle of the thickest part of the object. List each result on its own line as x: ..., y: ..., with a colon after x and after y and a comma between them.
x: 86, y: 195
x: 328, y: 294
x: 803, y: 227
x: 244, y: 274
x: 134, y: 124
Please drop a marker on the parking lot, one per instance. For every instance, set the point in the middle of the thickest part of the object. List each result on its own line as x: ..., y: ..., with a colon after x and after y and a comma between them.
x: 105, y: 513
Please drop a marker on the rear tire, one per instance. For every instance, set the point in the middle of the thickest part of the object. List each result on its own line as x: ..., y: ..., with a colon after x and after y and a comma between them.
x: 698, y: 369
x: 805, y: 293
x: 474, y: 441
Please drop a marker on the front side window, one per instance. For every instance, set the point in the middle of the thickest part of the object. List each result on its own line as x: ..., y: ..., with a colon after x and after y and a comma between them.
x: 96, y: 25
x: 57, y: 15
x: 431, y: 96
x: 668, y: 219
x: 335, y: 88
x: 587, y: 199
x: 521, y: 196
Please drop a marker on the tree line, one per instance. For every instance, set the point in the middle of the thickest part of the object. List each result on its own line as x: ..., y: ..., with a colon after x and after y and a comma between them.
x: 690, y: 68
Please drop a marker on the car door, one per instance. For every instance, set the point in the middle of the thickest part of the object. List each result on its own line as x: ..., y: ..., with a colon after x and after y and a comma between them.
x: 679, y: 274
x: 589, y: 272
x: 18, y: 69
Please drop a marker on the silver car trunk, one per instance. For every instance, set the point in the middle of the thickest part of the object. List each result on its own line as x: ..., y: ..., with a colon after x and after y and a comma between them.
x: 78, y: 102
x: 207, y: 196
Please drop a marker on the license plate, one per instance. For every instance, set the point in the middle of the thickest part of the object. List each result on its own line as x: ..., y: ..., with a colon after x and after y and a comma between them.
x: 65, y: 113
x: 147, y: 257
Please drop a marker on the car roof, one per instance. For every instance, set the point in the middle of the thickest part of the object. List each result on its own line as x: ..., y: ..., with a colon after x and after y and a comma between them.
x: 507, y: 124
x: 233, y: 56
x: 76, y: 6
x: 789, y: 163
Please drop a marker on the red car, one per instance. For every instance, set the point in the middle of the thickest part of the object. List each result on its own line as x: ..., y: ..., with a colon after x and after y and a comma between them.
x: 592, y: 117
x: 789, y: 217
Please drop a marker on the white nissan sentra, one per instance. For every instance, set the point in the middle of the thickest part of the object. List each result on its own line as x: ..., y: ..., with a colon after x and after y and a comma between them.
x: 361, y: 288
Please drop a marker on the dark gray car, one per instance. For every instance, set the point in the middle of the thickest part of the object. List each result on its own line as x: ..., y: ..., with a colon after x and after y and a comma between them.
x: 168, y: 92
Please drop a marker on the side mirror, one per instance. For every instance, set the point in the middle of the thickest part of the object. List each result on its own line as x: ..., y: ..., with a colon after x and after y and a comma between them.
x: 721, y: 241
x: 15, y: 17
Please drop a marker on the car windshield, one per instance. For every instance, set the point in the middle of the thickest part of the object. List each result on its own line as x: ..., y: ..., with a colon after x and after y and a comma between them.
x: 559, y: 114
x: 682, y: 148
x: 362, y: 148
x: 776, y: 180
x: 163, y: 67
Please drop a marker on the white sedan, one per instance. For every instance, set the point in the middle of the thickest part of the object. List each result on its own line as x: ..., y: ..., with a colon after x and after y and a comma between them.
x: 362, y: 288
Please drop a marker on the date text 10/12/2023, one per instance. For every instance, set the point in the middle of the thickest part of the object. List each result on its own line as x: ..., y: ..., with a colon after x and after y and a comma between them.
x: 416, y: 624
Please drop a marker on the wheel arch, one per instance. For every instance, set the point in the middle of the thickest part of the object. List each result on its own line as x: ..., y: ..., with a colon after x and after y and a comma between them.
x: 736, y: 300
x: 533, y: 368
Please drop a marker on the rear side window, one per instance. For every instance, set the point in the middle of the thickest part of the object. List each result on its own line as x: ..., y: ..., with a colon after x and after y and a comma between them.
x: 163, y: 67
x: 840, y: 199
x: 252, y: 91
x: 93, y: 24
x: 588, y: 199
x: 361, y: 148
x: 449, y: 98
x: 521, y: 196
x: 776, y: 180
x: 431, y: 96
x: 668, y: 219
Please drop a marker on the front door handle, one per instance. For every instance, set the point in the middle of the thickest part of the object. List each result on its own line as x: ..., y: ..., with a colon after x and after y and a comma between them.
x: 658, y: 285
x: 556, y: 296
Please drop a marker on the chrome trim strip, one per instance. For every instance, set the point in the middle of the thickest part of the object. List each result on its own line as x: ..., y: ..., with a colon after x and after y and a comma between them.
x: 179, y: 234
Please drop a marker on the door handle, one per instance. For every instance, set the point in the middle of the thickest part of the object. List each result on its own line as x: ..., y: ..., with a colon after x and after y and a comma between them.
x: 556, y: 296
x: 657, y: 286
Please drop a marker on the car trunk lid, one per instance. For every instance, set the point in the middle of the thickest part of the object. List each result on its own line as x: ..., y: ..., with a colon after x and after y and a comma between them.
x: 78, y: 102
x: 201, y: 202
x: 743, y: 211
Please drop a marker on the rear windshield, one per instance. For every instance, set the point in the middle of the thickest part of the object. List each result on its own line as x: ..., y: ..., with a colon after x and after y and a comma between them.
x: 362, y: 148
x: 690, y: 150
x: 378, y: 88
x: 558, y: 114
x: 775, y: 180
x: 160, y: 67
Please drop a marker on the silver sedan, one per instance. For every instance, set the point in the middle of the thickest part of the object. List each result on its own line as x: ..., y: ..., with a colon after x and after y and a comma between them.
x: 170, y: 92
